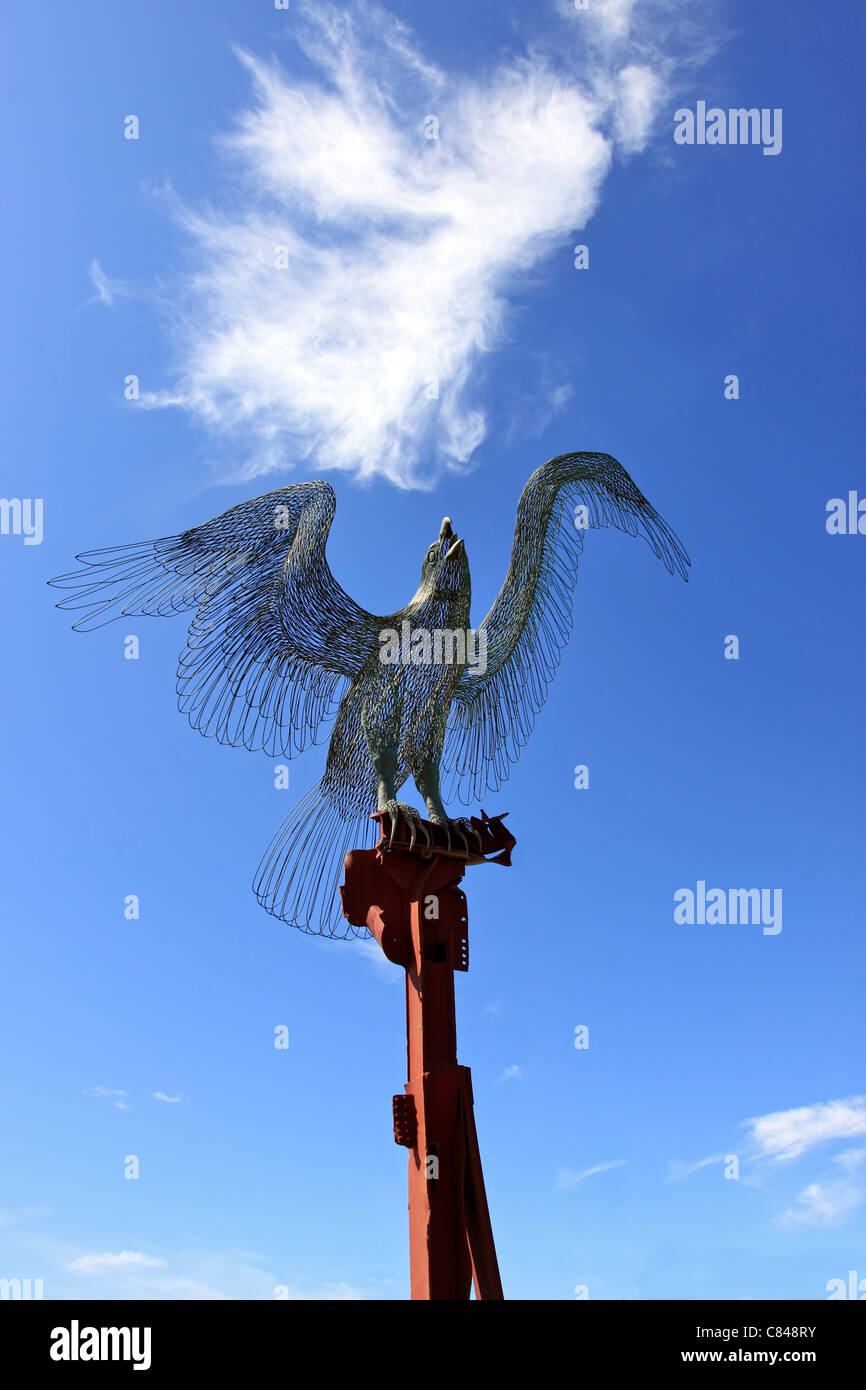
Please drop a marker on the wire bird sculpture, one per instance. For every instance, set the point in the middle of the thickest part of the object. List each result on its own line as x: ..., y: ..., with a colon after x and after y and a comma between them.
x: 276, y: 648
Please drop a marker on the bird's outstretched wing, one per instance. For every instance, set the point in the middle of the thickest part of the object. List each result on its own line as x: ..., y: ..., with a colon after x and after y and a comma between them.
x: 274, y: 638
x: 492, y: 714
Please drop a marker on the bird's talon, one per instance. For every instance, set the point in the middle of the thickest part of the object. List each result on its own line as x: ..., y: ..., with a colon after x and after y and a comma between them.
x: 462, y: 828
x: 395, y: 810
x: 467, y: 828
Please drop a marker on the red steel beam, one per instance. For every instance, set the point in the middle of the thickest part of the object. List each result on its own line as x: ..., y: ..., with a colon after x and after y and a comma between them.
x: 410, y: 900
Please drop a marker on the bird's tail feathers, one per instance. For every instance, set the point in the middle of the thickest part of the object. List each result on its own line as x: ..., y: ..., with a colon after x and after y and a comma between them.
x: 300, y: 873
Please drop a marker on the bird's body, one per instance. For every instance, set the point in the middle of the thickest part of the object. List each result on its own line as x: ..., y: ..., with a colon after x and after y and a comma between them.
x: 399, y: 707
x: 276, y: 648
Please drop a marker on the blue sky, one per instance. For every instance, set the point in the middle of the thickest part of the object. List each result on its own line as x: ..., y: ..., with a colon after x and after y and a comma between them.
x: 605, y: 1166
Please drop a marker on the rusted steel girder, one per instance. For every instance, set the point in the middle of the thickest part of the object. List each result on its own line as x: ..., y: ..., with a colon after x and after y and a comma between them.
x: 407, y: 893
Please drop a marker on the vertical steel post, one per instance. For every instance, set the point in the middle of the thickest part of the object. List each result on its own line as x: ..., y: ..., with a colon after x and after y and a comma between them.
x: 412, y: 903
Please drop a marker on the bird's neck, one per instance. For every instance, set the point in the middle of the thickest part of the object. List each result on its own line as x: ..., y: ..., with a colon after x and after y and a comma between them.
x: 438, y: 610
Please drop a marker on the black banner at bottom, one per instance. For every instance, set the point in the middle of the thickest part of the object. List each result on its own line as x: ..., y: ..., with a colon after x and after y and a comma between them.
x: 216, y: 1338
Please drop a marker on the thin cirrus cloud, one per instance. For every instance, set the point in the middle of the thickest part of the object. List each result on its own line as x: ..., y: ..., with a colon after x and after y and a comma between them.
x: 347, y: 283
x: 829, y: 1203
x: 170, y: 1100
x: 784, y: 1136
x: 678, y: 1172
x: 566, y: 1179
x: 192, y: 1275
x: 117, y: 1098
x: 105, y: 289
x: 131, y: 1274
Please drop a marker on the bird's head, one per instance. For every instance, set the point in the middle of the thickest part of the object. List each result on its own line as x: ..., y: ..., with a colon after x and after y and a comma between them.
x: 445, y: 571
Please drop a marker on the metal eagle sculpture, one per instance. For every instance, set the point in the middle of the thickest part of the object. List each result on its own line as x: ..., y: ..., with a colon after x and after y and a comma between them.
x: 276, y: 648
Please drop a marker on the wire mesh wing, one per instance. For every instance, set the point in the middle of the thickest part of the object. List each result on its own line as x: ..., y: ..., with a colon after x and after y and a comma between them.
x: 274, y: 638
x: 492, y: 715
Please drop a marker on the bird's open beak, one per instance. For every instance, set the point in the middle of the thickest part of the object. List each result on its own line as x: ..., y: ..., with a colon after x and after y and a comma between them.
x: 446, y: 534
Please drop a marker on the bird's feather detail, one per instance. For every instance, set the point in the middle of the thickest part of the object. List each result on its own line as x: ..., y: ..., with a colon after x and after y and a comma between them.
x: 492, y: 715
x: 299, y: 876
x: 274, y: 638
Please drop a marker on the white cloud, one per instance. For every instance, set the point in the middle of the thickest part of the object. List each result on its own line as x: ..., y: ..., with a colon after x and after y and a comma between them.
x: 101, y: 283
x: 171, y: 1100
x: 565, y: 1179
x: 638, y: 97
x: 108, y: 288
x: 851, y: 1159
x: 104, y: 1093
x: 236, y: 1274
x: 124, y: 1259
x: 510, y: 1073
x: 677, y: 1171
x: 824, y: 1204
x: 615, y: 16
x: 786, y: 1134
x: 401, y: 252
x: 532, y: 411
x: 829, y: 1203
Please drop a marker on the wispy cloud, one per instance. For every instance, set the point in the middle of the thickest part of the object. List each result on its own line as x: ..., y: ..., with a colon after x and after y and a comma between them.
x: 566, y: 1179
x: 511, y: 1073
x: 678, y: 1171
x: 824, y: 1204
x: 785, y: 1134
x: 105, y: 1093
x: 534, y: 409
x: 171, y: 1100
x: 352, y: 278
x: 237, y: 1274
x: 101, y: 283
x: 828, y: 1203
